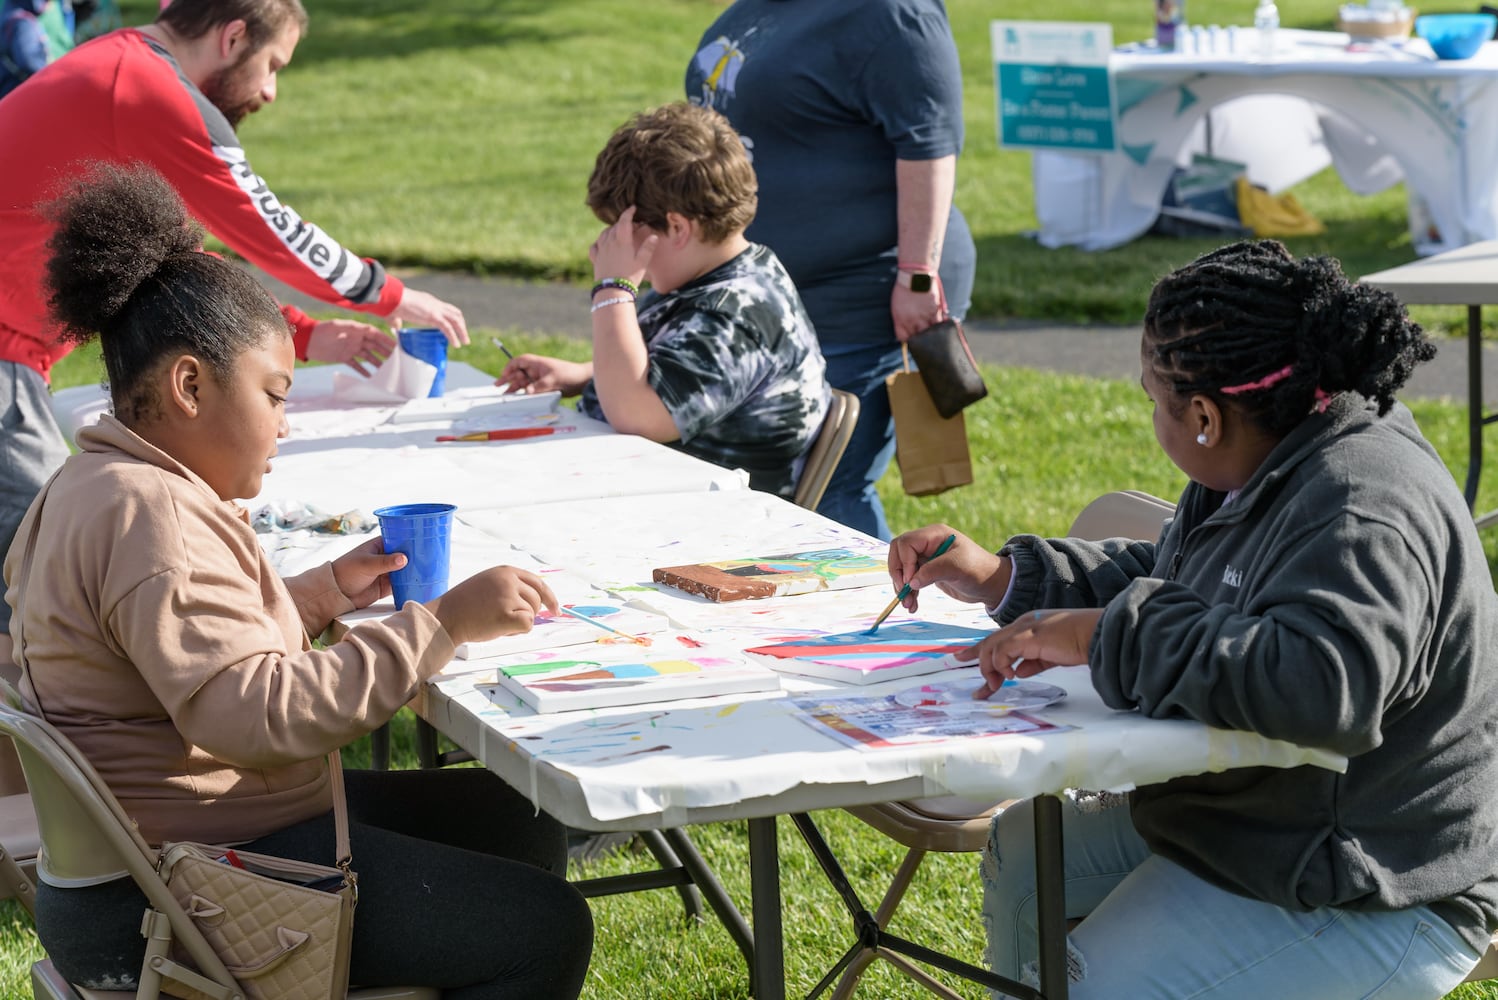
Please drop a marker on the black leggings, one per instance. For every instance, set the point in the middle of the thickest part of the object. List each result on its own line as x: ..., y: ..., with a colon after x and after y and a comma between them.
x: 442, y: 899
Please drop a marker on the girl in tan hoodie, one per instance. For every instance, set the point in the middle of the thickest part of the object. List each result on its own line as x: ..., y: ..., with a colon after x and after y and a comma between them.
x: 158, y: 638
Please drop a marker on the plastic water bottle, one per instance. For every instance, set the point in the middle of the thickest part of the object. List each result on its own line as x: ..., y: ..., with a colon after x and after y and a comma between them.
x: 1266, y: 22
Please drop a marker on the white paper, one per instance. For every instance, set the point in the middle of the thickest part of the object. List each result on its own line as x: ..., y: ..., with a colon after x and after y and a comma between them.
x: 475, y: 404
x: 401, y: 376
x: 79, y: 407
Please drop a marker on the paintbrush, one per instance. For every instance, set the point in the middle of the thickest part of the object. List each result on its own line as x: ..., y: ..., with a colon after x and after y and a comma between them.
x: 905, y: 590
x: 607, y: 628
x: 501, y: 345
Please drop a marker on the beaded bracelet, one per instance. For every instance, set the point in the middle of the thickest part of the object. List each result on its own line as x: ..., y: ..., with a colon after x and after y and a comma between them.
x: 617, y: 300
x: 623, y: 284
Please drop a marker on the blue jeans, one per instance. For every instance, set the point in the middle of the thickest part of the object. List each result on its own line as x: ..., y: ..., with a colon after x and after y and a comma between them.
x: 858, y: 340
x: 31, y: 449
x: 851, y: 496
x: 1154, y: 930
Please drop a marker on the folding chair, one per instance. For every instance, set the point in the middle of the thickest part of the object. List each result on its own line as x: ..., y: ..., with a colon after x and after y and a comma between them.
x: 955, y: 825
x: 19, y: 839
x: 86, y: 836
x: 827, y: 450
x: 1487, y: 966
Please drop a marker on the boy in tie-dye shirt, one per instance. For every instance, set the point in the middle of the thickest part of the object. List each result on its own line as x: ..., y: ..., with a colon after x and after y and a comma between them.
x: 719, y: 358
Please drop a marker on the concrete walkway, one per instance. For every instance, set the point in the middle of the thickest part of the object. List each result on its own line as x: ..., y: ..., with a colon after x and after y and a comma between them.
x: 1100, y: 351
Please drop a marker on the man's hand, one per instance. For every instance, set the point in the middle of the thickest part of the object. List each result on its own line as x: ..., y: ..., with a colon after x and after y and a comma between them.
x: 350, y: 342
x: 425, y: 309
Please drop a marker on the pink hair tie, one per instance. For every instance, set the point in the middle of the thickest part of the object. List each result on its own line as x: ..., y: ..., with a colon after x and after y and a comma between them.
x: 1263, y: 383
x: 1323, y: 399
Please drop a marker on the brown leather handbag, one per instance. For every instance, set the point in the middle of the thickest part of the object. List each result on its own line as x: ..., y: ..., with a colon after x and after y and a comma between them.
x: 947, y: 366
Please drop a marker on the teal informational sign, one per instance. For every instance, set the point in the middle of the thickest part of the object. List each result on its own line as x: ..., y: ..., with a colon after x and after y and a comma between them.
x: 1054, y: 89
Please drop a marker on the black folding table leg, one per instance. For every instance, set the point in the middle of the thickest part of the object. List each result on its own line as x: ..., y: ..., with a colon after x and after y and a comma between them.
x: 691, y: 899
x: 1050, y: 897
x: 717, y: 897
x: 767, y: 981
x: 379, y: 748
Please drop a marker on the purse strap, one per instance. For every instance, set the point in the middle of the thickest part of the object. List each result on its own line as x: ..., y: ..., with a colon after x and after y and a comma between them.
x: 18, y: 639
x: 340, y: 816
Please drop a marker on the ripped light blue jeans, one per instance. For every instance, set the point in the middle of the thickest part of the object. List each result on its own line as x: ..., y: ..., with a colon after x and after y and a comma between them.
x: 1154, y: 930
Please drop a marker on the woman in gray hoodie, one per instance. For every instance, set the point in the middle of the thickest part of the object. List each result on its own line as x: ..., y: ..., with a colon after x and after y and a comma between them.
x: 1321, y: 582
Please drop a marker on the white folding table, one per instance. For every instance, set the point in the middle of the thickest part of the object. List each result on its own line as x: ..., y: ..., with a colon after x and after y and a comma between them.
x: 1380, y: 113
x: 1467, y: 277
x: 668, y: 765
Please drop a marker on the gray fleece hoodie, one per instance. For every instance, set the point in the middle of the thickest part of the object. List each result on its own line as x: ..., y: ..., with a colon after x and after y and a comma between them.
x: 1341, y: 600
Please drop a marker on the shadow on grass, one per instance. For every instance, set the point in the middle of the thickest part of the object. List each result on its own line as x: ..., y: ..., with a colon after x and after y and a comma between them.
x: 344, y: 30
x: 1019, y: 277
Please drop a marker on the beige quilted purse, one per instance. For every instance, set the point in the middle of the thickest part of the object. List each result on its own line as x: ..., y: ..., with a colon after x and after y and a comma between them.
x: 283, y: 928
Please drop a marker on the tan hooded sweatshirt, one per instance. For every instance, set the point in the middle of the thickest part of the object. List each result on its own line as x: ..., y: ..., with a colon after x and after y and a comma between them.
x: 159, y: 639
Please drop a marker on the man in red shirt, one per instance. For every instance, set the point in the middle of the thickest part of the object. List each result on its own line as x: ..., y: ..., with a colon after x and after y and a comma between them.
x: 169, y: 94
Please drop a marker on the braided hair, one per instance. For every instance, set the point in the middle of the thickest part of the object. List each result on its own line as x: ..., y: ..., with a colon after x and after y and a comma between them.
x: 1280, y: 335
x: 126, y: 266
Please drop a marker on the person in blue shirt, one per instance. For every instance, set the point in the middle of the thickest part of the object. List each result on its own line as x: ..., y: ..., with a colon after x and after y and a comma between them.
x: 23, y: 42
x: 856, y: 155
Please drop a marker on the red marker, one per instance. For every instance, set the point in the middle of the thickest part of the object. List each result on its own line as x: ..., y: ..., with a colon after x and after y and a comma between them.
x: 507, y: 434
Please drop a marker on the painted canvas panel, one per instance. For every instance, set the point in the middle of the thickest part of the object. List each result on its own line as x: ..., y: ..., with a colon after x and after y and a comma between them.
x: 776, y: 576
x: 560, y: 630
x: 903, y: 649
x: 592, y: 677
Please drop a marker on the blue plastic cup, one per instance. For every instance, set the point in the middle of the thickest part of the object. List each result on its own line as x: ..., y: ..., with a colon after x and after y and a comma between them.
x: 430, y: 345
x: 422, y: 532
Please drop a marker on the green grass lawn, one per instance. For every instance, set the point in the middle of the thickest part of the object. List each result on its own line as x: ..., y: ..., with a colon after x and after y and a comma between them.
x: 1043, y: 445
x: 460, y: 134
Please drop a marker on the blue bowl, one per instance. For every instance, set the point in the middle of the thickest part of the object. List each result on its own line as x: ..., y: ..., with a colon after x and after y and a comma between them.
x: 1455, y: 36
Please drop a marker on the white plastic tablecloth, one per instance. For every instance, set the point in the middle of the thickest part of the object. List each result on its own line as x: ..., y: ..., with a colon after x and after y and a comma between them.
x: 739, y: 756
x: 734, y: 757
x: 606, y: 509
x: 342, y: 458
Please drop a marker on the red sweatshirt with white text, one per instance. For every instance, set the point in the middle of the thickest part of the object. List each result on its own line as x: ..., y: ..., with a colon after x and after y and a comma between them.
x: 122, y: 98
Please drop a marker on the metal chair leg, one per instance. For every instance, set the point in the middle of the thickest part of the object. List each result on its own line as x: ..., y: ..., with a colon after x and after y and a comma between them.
x: 892, y: 897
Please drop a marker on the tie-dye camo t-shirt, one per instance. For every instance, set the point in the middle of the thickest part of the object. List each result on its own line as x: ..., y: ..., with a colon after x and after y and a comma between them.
x: 735, y: 360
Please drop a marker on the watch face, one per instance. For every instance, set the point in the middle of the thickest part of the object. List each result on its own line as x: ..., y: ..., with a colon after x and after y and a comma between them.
x: 920, y: 281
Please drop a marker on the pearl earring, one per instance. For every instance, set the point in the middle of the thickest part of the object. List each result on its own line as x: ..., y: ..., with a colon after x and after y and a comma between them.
x: 1201, y: 438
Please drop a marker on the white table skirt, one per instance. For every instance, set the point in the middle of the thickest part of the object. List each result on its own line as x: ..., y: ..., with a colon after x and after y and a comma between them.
x: 1379, y: 116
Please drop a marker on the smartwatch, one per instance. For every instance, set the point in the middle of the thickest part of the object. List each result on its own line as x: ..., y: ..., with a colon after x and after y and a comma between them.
x: 918, y: 281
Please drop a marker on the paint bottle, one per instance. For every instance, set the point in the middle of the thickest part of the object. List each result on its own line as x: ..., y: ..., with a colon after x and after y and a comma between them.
x: 1169, y: 16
